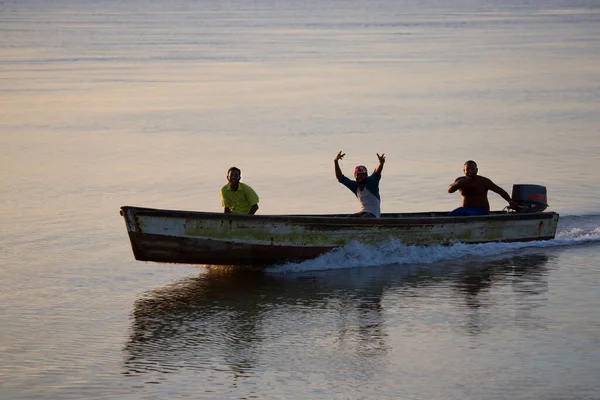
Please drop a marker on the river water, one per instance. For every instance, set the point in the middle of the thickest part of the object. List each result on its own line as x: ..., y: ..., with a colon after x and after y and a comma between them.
x: 148, y: 103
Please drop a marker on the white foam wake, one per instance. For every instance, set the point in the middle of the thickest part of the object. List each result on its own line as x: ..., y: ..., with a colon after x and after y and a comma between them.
x: 393, y: 251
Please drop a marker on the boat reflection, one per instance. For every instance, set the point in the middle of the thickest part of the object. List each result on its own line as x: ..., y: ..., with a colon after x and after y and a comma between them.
x: 525, y: 281
x: 225, y: 319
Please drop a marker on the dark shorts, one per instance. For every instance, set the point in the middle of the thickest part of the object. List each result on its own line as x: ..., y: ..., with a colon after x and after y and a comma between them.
x: 468, y: 211
x: 362, y: 214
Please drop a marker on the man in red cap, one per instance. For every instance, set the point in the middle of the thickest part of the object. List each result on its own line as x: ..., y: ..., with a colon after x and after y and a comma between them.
x: 364, y: 187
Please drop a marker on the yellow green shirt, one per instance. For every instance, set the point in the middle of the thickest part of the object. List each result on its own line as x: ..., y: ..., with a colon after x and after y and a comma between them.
x: 240, y: 201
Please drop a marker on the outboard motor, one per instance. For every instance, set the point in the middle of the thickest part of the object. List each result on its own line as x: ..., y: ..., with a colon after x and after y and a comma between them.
x: 530, y: 198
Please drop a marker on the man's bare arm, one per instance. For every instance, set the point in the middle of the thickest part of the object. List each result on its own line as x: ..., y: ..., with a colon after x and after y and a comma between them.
x: 454, y: 186
x: 253, y: 209
x: 497, y: 189
x: 338, y: 170
x: 381, y: 162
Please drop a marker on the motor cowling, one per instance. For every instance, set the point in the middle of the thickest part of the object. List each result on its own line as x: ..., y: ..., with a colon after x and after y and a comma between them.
x: 530, y: 198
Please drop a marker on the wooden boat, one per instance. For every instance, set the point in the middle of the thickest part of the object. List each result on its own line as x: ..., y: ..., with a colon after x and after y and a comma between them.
x: 192, y: 237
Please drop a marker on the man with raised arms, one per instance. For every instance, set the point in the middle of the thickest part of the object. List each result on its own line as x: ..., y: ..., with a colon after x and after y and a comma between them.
x: 364, y: 187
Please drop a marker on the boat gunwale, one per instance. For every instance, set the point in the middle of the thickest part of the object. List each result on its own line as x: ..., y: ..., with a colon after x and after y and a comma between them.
x: 341, y: 219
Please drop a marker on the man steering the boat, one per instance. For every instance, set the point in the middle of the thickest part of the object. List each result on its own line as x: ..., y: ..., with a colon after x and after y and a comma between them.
x: 237, y: 197
x: 364, y: 187
x: 474, y: 189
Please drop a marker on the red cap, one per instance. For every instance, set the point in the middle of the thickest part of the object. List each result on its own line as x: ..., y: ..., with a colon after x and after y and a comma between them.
x: 360, y: 169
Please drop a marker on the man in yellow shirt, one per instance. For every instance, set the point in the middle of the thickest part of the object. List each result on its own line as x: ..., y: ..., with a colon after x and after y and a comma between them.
x: 237, y: 197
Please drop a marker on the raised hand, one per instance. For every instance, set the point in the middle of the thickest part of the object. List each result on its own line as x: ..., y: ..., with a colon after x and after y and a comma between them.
x: 381, y: 158
x: 339, y: 156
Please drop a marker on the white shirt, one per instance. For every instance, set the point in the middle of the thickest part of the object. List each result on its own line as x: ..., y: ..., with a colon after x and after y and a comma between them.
x: 368, y: 202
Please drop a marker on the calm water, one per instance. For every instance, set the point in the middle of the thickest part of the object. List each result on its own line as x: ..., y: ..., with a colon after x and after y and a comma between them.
x: 148, y: 103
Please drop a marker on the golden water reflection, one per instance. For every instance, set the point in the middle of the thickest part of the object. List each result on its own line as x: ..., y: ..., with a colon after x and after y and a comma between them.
x: 243, y: 321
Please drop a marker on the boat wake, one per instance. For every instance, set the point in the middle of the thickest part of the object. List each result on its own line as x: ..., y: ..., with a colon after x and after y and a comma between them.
x: 572, y: 231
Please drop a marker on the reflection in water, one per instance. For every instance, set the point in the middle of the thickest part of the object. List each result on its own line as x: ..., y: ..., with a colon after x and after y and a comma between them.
x: 240, y: 321
x: 183, y: 324
x: 527, y: 275
x: 172, y: 322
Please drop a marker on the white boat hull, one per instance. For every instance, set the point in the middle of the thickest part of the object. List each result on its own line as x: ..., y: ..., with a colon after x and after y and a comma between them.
x: 227, y: 239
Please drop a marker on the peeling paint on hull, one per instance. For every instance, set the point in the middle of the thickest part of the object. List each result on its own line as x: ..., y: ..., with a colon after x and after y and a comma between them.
x: 226, y: 239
